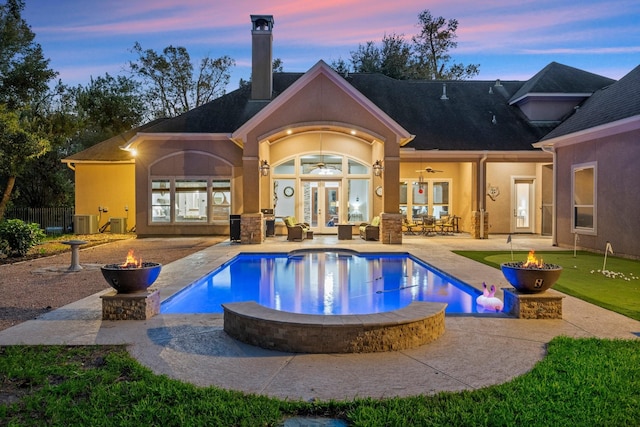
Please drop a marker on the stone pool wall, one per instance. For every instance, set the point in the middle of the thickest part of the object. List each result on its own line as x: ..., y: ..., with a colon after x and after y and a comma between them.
x: 410, y: 327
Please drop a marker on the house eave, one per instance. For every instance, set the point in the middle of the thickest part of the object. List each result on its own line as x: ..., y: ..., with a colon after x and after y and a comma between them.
x: 602, y: 131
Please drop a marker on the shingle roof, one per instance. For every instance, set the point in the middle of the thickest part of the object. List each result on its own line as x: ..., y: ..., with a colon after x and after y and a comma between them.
x: 559, y: 78
x: 109, y: 150
x: 618, y: 101
x: 463, y: 122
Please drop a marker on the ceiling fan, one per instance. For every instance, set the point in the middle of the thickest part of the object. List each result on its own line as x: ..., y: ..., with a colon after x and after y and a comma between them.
x: 429, y: 169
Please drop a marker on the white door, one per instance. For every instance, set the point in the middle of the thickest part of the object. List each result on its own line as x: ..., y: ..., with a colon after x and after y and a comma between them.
x: 523, y: 205
x: 321, y: 205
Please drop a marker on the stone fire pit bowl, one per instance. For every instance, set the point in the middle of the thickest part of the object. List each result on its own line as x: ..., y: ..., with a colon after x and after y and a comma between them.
x: 127, y: 280
x: 531, y: 280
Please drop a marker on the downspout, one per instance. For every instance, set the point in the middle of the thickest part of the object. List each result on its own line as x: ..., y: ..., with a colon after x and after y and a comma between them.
x: 481, y: 171
x: 554, y: 235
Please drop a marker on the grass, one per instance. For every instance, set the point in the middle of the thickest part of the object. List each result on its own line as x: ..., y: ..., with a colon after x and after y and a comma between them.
x: 617, y: 289
x: 581, y: 382
x: 52, y: 245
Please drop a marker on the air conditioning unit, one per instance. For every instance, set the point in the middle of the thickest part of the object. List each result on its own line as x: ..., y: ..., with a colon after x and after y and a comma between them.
x: 118, y: 225
x: 85, y: 224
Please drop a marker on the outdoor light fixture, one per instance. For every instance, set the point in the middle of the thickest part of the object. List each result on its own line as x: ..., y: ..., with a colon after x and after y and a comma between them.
x: 378, y: 168
x: 264, y: 168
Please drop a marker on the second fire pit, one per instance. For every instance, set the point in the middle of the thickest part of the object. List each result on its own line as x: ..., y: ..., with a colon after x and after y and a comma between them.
x: 532, y: 276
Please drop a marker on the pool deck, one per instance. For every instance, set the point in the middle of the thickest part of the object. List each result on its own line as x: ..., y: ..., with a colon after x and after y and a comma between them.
x: 474, y: 351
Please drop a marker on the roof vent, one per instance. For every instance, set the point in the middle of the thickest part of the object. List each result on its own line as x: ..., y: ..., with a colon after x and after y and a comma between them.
x: 493, y: 120
x: 498, y: 82
x: 490, y: 90
x: 444, y: 92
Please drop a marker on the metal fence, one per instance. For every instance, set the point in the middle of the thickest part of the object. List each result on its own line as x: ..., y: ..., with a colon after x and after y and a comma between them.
x: 51, y: 220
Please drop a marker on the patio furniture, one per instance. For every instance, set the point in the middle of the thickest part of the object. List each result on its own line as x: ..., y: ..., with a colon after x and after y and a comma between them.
x: 408, y: 226
x: 370, y: 231
x: 446, y: 224
x: 296, y: 230
x: 428, y: 224
x: 345, y: 231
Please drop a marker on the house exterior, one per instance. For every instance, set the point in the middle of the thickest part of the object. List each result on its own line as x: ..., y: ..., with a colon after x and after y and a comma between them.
x: 329, y: 148
x: 597, y: 150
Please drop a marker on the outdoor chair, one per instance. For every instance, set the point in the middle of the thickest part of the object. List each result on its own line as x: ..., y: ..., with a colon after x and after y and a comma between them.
x: 296, y: 230
x: 428, y: 225
x: 370, y: 231
x: 408, y: 226
x: 446, y: 224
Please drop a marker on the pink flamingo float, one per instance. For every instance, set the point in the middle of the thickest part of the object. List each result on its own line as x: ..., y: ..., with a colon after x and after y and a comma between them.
x: 488, y: 300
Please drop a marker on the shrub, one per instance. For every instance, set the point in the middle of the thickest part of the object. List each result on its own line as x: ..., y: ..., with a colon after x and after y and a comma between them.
x: 17, y: 237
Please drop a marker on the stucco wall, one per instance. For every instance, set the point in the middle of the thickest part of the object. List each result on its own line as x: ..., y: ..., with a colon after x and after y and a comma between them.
x: 219, y: 158
x: 106, y: 185
x: 501, y: 209
x: 617, y: 204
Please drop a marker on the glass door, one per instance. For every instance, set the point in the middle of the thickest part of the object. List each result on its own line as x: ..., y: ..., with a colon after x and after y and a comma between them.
x: 523, y: 212
x: 321, y: 205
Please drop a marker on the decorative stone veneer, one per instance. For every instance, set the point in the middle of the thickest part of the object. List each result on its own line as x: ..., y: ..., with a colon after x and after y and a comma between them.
x: 412, y: 326
x: 252, y: 228
x: 475, y: 225
x: 543, y: 305
x: 391, y: 228
x: 135, y: 306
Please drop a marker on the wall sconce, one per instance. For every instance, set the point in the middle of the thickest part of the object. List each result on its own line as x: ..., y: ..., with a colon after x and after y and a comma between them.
x: 378, y: 168
x: 264, y: 168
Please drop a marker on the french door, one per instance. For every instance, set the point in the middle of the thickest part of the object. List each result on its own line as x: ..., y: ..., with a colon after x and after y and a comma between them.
x: 321, y: 205
x: 523, y: 205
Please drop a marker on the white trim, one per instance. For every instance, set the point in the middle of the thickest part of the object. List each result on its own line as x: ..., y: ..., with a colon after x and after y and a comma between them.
x: 542, y: 95
x: 602, y: 131
x: 586, y: 231
x: 320, y: 68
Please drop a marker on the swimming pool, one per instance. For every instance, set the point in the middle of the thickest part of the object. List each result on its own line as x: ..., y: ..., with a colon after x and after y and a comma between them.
x: 323, y: 282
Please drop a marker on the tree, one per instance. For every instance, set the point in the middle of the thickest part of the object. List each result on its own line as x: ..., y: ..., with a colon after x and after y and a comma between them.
x: 168, y: 77
x: 24, y: 72
x: 427, y: 57
x: 432, y: 45
x: 17, y: 145
x: 24, y: 77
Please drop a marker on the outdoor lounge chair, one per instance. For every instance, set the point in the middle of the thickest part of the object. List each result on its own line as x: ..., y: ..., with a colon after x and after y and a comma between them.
x: 370, y: 231
x: 295, y: 230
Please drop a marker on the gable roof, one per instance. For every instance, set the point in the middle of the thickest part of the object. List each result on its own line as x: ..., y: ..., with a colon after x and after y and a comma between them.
x: 559, y: 79
x: 462, y: 122
x: 619, y: 101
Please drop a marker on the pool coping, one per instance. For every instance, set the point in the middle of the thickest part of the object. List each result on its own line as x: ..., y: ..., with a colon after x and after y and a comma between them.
x: 409, y: 327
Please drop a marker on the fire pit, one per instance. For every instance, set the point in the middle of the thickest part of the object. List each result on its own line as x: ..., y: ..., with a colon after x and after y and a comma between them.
x: 131, y: 276
x: 531, y: 276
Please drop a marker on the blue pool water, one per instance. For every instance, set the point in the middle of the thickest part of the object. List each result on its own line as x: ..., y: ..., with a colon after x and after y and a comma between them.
x: 320, y: 282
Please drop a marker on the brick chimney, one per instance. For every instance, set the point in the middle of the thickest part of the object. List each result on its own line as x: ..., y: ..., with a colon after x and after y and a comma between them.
x: 261, y: 57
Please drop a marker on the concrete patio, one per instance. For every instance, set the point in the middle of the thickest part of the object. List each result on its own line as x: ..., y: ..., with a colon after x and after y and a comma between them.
x: 474, y: 352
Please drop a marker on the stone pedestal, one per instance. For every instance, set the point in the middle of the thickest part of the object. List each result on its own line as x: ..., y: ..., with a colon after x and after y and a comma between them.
x: 480, y: 221
x: 391, y: 228
x: 252, y: 228
x: 543, y: 305
x: 136, y: 306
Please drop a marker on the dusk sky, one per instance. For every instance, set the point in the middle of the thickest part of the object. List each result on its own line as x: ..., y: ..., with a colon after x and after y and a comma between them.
x: 511, y: 40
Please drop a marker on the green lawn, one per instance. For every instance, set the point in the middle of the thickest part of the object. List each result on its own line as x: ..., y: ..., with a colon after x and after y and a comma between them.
x: 582, y: 277
x: 581, y: 382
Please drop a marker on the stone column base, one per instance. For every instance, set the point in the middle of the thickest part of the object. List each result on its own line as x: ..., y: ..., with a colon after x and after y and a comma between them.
x: 544, y: 305
x: 252, y: 228
x: 137, y: 306
x: 391, y: 228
